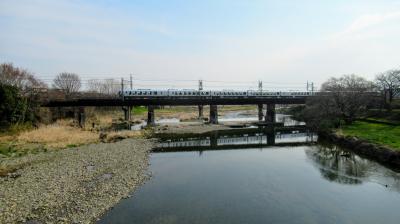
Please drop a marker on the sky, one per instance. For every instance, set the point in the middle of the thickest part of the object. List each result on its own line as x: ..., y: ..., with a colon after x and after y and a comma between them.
x: 226, y: 43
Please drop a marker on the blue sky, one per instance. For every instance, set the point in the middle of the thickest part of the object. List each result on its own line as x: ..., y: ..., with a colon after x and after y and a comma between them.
x: 280, y: 41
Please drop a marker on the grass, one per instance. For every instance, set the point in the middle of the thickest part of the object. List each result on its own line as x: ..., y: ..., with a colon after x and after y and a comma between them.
x: 15, y: 129
x: 140, y: 110
x: 387, y: 135
x: 58, y: 136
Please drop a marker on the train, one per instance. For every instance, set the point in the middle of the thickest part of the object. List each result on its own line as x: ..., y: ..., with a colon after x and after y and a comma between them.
x: 143, y: 93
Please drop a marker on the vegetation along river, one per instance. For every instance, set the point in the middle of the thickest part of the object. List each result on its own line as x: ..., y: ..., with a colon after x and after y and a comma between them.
x: 253, y: 176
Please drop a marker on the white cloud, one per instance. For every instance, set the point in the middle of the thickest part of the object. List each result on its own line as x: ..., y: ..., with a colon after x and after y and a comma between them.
x: 367, y: 25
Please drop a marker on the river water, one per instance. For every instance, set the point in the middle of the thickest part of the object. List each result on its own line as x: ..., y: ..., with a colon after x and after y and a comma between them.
x: 255, y: 176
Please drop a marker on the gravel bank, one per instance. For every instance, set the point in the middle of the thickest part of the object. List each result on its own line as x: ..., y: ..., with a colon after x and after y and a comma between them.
x: 73, y: 185
x: 183, y: 128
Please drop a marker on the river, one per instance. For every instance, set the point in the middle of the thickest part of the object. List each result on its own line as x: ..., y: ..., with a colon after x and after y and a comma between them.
x: 252, y: 176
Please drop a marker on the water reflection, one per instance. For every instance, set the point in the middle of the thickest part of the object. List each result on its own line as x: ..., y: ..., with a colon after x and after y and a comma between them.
x: 345, y: 167
x: 338, y: 165
x: 306, y: 183
x: 237, y: 138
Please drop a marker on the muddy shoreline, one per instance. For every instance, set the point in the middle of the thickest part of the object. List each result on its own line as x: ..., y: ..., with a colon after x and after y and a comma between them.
x: 75, y: 185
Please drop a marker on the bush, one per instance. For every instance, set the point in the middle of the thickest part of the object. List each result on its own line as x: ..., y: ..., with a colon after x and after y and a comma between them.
x: 16, y: 111
x: 13, y: 106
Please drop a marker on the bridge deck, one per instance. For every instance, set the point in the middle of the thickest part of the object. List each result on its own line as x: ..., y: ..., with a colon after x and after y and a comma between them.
x: 173, y: 101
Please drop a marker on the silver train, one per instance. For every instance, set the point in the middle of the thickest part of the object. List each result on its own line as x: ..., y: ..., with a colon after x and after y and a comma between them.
x: 136, y: 93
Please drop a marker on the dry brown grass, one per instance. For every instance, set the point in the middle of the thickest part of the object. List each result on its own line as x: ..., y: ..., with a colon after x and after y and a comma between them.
x: 58, y: 135
x: 112, y: 136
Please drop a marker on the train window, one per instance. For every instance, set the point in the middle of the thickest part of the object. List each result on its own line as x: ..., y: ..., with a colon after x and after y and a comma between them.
x: 244, y: 93
x: 155, y: 92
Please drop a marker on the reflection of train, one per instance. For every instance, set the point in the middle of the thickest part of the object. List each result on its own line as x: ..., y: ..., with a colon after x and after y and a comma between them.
x: 208, y: 93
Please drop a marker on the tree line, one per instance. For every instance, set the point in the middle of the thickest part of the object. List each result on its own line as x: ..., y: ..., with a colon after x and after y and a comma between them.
x: 345, y: 98
x: 20, y: 92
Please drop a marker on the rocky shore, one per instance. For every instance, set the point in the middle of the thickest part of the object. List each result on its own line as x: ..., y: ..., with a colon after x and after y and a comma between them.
x: 75, y: 185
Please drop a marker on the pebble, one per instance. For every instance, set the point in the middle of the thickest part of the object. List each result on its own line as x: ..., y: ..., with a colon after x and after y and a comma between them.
x: 74, y: 185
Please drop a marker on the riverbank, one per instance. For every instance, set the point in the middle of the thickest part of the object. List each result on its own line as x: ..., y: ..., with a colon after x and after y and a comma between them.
x: 377, y: 152
x: 74, y: 185
x: 378, y: 133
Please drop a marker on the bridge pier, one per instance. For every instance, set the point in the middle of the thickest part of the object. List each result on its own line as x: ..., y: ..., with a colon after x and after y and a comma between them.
x: 260, y: 112
x: 214, y: 140
x: 127, y: 113
x: 270, y: 114
x: 201, y: 112
x: 213, y: 114
x: 271, y: 138
x: 81, y: 117
x: 150, y: 116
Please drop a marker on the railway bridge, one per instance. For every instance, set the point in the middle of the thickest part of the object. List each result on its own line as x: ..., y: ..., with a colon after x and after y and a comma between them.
x: 127, y: 101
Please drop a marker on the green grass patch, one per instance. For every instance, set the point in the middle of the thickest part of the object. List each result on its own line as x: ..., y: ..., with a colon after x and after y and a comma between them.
x: 139, y: 110
x: 12, y: 149
x: 7, y: 149
x: 377, y: 133
x: 72, y: 145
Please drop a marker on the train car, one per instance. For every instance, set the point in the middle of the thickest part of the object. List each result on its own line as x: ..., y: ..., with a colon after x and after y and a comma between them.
x: 186, y: 92
x: 140, y: 93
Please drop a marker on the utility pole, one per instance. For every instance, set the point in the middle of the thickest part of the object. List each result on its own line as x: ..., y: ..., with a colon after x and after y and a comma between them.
x: 131, y: 81
x: 312, y: 87
x: 122, y: 85
x: 260, y: 106
x: 200, y: 106
x: 307, y: 86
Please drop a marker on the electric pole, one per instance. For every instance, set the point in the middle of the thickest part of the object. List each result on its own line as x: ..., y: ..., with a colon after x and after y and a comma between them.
x: 131, y: 81
x: 200, y: 85
x: 200, y: 106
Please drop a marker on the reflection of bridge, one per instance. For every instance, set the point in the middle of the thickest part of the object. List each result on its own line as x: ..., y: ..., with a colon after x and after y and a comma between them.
x: 237, y: 141
x: 151, y: 102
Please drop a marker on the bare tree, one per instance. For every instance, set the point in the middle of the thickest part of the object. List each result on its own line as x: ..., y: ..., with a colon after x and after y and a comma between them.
x: 68, y: 82
x: 20, y: 78
x: 388, y: 82
x: 343, y: 98
x: 107, y: 86
x: 351, y: 95
x: 23, y: 89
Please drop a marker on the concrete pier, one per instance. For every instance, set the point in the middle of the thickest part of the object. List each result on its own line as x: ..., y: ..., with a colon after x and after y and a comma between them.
x: 270, y: 114
x: 127, y: 113
x: 271, y: 138
x: 81, y: 117
x: 213, y: 114
x: 201, y: 115
x: 150, y: 116
x: 260, y: 112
